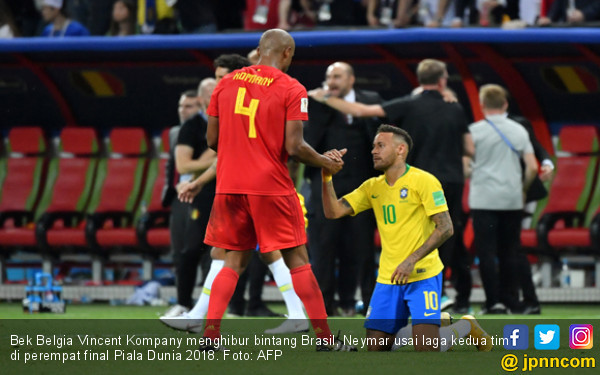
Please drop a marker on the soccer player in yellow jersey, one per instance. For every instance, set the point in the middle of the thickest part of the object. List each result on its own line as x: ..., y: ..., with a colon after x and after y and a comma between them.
x: 413, y: 221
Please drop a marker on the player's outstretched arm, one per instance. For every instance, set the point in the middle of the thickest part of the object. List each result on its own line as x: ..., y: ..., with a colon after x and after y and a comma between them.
x: 355, y: 109
x: 297, y: 148
x: 333, y: 207
x: 443, y: 230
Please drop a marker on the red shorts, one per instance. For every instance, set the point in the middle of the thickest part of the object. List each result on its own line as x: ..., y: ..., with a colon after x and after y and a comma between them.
x: 240, y: 222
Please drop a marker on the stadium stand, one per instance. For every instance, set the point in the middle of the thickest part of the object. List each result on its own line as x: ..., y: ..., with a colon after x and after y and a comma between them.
x: 574, y: 198
x: 153, y: 227
x: 553, y: 75
x: 60, y: 227
x: 110, y: 226
x: 23, y: 175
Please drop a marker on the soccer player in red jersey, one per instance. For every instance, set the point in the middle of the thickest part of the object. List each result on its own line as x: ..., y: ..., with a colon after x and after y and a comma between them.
x: 255, y: 123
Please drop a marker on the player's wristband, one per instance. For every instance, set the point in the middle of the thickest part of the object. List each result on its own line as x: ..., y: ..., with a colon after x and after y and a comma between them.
x: 326, y: 177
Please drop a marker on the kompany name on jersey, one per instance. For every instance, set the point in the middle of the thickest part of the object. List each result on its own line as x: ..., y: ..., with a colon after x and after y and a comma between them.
x: 253, y: 78
x: 304, y: 105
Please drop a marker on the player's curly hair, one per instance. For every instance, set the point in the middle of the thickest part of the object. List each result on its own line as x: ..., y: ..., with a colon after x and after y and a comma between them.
x: 386, y: 128
x: 231, y: 62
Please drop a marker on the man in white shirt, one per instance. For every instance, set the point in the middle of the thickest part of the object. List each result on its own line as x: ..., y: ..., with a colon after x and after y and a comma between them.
x: 497, y: 195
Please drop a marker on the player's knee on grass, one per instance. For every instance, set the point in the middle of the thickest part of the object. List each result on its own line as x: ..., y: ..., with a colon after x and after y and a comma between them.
x: 378, y: 341
x: 426, y: 337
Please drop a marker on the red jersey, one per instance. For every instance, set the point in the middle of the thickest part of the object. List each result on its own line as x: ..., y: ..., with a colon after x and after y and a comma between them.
x: 253, y: 105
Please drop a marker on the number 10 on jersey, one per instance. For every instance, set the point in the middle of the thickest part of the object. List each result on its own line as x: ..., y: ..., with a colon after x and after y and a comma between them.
x: 249, y: 111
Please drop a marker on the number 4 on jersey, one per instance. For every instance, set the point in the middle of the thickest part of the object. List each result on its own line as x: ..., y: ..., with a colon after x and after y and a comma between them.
x: 249, y: 111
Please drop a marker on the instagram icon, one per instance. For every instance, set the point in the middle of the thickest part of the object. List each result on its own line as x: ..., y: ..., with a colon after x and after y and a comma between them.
x: 581, y: 336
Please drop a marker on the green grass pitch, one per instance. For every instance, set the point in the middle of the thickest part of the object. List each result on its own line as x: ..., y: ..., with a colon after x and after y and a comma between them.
x: 146, y: 353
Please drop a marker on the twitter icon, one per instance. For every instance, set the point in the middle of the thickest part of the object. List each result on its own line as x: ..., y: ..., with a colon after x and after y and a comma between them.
x: 547, y: 336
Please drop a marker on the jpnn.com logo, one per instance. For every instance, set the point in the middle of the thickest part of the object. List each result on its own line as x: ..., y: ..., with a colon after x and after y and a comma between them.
x: 516, y: 337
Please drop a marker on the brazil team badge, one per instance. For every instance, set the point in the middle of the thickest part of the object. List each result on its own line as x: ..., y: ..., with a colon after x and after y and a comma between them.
x: 403, y: 193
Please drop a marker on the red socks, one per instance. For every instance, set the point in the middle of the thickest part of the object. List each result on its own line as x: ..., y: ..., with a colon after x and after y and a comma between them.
x: 307, y: 289
x: 222, y: 289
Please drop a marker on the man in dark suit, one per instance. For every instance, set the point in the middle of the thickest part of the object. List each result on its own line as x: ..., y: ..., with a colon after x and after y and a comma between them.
x: 348, y: 241
x: 441, y: 138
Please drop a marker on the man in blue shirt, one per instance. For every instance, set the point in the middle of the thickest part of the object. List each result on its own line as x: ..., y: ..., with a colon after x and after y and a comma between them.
x: 59, y: 25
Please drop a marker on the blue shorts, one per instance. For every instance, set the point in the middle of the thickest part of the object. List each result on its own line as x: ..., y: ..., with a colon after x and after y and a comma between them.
x: 391, y: 305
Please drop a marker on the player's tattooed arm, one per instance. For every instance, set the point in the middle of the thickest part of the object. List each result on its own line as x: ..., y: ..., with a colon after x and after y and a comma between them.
x: 332, y: 206
x: 443, y: 230
x: 346, y: 204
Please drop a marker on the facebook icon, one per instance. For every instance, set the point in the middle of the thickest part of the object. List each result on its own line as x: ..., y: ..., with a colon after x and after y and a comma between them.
x: 516, y: 337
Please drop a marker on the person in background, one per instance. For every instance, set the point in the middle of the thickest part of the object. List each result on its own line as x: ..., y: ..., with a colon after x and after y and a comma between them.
x: 572, y: 12
x: 267, y: 14
x: 496, y: 197
x: 187, y: 108
x: 466, y: 13
x: 413, y: 220
x: 95, y: 15
x: 196, y: 16
x: 53, y: 12
x: 436, y: 13
x: 192, y: 158
x: 254, y: 275
x: 123, y: 20
x: 336, y: 12
x: 8, y: 29
x: 26, y: 16
x: 156, y: 17
x: 530, y: 303
x: 440, y: 132
x: 348, y: 242
x: 385, y: 13
x: 192, y: 320
x: 253, y: 180
x: 253, y: 56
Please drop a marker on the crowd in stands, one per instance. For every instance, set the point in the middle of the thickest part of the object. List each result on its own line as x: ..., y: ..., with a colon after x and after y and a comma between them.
x: 129, y: 17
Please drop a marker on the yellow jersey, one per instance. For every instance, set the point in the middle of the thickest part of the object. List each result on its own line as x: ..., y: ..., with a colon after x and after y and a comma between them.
x: 304, y: 211
x: 402, y: 212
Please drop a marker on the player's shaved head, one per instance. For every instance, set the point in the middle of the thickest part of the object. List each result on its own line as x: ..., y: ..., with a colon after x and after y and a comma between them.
x: 275, y: 41
x: 276, y: 48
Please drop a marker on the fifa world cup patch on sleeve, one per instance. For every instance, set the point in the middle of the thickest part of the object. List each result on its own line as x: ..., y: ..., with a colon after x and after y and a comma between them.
x: 304, y: 105
x: 438, y: 198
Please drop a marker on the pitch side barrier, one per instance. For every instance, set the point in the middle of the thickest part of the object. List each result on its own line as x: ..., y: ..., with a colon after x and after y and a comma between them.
x: 304, y: 39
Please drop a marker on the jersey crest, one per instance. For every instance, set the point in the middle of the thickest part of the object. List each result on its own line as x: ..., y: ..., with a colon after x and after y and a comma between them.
x: 404, y: 193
